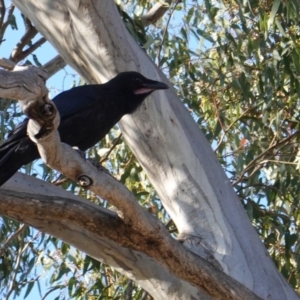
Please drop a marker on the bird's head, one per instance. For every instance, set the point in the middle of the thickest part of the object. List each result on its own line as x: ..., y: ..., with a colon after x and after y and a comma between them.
x: 133, y: 89
x: 137, y: 84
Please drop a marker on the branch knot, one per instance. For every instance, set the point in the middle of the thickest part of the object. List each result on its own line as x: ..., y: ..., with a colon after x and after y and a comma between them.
x: 85, y: 181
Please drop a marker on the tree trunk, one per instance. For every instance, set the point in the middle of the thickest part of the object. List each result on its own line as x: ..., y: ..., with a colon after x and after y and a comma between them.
x: 210, y: 219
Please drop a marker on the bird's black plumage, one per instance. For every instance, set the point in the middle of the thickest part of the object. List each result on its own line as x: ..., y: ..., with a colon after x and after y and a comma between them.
x: 87, y: 114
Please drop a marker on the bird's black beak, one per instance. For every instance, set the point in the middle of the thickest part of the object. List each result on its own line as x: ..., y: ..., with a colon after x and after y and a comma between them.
x: 154, y: 85
x: 149, y: 86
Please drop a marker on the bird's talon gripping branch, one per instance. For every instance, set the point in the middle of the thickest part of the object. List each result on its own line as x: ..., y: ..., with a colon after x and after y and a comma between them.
x: 85, y: 181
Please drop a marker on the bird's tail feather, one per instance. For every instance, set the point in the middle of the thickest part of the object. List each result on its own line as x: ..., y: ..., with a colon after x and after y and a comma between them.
x: 13, y: 157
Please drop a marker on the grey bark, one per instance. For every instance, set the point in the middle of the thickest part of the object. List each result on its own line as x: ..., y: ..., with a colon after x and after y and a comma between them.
x: 152, y: 259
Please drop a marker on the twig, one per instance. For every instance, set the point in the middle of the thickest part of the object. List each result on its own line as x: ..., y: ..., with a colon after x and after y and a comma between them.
x: 30, y: 33
x: 111, y: 149
x: 17, y: 265
x: 260, y: 156
x: 216, y: 106
x: 54, y: 65
x: 29, y: 281
x: 165, y: 31
x: 53, y: 289
x: 32, y: 48
x: 278, y: 162
x: 230, y: 126
x: 6, y: 23
x: 13, y: 279
x: 12, y: 237
x: 2, y: 12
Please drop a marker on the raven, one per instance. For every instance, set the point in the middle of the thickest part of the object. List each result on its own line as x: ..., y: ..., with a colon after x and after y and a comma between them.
x: 87, y: 113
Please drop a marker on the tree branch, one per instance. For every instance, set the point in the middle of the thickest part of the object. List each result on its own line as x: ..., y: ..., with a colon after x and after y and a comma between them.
x: 2, y: 12
x: 156, y: 12
x: 7, y: 64
x: 17, y: 53
x: 6, y: 23
x: 23, y: 54
x: 23, y: 83
x: 12, y: 237
x: 54, y: 65
x: 79, y: 217
x: 165, y: 31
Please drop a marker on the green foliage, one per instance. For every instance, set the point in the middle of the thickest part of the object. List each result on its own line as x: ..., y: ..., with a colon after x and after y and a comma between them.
x: 236, y: 67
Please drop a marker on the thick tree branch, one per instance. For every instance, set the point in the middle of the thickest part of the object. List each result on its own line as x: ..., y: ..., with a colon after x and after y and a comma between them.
x: 7, y: 64
x: 134, y: 222
x: 51, y: 67
x: 78, y: 217
x: 135, y: 265
x: 25, y: 83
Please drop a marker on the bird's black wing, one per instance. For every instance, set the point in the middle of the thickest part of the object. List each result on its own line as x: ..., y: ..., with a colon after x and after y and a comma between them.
x: 15, y: 136
x: 16, y: 151
x: 77, y: 99
x: 19, y: 150
x: 67, y: 103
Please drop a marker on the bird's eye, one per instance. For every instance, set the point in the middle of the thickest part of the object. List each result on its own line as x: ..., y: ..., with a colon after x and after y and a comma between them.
x: 137, y: 80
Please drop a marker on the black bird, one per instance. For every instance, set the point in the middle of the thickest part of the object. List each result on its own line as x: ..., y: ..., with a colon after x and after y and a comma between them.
x: 87, y: 113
